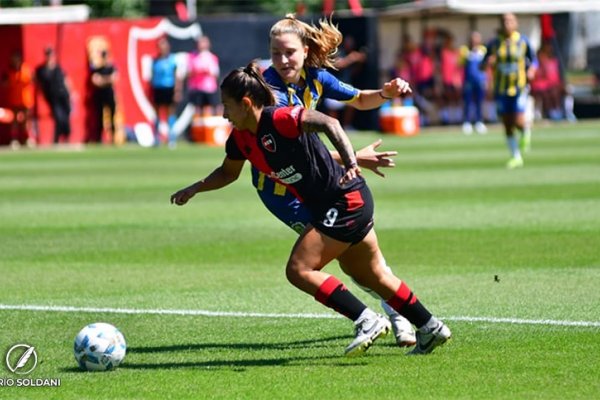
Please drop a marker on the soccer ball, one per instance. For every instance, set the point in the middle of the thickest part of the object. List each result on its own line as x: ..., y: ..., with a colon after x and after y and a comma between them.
x: 99, y: 347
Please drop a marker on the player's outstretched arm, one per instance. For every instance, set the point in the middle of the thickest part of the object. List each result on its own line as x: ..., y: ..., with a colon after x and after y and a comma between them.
x: 222, y: 176
x: 368, y: 157
x: 369, y: 99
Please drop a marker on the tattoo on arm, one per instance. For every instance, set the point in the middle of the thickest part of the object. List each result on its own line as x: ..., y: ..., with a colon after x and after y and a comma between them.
x: 315, y: 121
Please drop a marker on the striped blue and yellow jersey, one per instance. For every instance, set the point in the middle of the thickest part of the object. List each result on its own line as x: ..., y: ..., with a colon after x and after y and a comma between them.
x: 513, y: 56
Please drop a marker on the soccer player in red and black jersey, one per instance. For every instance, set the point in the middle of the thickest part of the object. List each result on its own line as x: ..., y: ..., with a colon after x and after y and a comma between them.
x: 283, y: 143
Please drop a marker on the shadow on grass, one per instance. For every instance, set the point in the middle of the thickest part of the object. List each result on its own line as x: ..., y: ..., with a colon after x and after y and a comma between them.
x: 241, y: 365
x: 299, y: 358
x: 309, y: 343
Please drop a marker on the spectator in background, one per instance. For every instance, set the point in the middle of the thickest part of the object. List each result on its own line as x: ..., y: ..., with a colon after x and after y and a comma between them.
x: 203, y: 75
x: 514, y: 64
x: 452, y: 80
x: 347, y: 64
x: 166, y: 91
x: 402, y: 68
x: 20, y: 93
x: 547, y: 86
x: 103, y: 79
x: 422, y: 66
x: 51, y: 79
x: 550, y: 49
x: 475, y: 83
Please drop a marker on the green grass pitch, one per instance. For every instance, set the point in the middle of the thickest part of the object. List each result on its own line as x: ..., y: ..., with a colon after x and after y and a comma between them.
x: 94, y: 229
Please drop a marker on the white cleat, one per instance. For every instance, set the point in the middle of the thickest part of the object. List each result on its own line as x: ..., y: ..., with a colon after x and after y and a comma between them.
x: 369, y: 327
x: 467, y: 128
x: 426, y: 342
x: 480, y: 128
x: 403, y: 331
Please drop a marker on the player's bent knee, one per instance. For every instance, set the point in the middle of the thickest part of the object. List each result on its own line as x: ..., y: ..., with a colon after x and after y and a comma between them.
x: 294, y: 272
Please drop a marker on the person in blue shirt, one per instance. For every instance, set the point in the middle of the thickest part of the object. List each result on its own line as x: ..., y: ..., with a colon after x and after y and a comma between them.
x: 300, y: 54
x: 166, y: 90
x: 475, y: 84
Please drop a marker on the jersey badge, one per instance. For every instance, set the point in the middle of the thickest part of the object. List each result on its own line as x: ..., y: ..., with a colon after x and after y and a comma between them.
x: 268, y: 142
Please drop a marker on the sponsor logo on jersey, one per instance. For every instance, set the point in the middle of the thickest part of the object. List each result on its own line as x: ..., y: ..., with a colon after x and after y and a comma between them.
x: 287, y: 175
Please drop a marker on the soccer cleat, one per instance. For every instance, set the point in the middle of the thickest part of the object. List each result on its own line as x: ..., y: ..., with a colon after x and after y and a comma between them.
x: 480, y: 128
x: 368, y: 328
x: 514, y: 162
x: 403, y: 331
x: 525, y: 143
x: 426, y: 342
x: 467, y: 128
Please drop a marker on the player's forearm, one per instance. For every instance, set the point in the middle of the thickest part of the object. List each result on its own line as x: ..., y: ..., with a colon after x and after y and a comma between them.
x: 369, y: 99
x: 216, y: 180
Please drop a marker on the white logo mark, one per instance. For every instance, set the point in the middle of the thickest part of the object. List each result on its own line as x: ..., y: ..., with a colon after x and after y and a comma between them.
x: 18, y: 367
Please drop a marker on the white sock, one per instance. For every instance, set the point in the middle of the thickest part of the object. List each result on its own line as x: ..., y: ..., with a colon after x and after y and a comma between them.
x: 386, y: 307
x: 388, y: 310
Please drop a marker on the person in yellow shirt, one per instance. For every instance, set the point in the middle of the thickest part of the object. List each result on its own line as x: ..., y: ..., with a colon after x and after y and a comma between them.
x: 514, y: 64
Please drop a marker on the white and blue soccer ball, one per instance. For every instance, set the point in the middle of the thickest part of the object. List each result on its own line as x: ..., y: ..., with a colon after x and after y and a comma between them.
x: 99, y: 347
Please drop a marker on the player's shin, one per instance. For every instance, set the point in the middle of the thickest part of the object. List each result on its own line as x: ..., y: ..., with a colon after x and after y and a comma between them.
x: 408, y: 305
x: 334, y: 294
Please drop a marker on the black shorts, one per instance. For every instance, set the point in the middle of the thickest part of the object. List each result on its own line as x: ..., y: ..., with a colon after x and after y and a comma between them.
x: 163, y: 96
x: 201, y: 99
x: 348, y: 219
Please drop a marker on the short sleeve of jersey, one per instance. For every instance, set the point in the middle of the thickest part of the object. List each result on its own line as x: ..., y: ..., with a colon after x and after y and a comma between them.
x: 288, y: 120
x: 335, y: 89
x: 232, y: 150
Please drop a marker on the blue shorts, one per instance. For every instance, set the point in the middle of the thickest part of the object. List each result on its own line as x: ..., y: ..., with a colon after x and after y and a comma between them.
x: 280, y: 202
x: 287, y: 208
x: 511, y: 104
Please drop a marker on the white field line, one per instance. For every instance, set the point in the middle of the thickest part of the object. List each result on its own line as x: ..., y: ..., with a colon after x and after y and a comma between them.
x: 206, y: 313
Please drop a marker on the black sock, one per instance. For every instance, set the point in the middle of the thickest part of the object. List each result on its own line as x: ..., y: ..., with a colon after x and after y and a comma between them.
x: 334, y: 294
x: 407, y: 304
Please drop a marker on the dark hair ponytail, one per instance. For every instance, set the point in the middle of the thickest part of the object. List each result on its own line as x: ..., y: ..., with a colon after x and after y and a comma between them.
x: 248, y: 81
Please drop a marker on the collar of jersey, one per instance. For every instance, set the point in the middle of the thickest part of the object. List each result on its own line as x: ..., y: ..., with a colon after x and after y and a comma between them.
x: 515, y: 36
x: 296, y: 87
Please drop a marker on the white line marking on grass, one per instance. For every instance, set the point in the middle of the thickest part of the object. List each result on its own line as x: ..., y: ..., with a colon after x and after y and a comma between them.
x: 203, y: 313
x: 206, y: 313
x: 525, y: 321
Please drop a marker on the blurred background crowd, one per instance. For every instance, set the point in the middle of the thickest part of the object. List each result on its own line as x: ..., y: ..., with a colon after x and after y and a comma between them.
x: 75, y: 72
